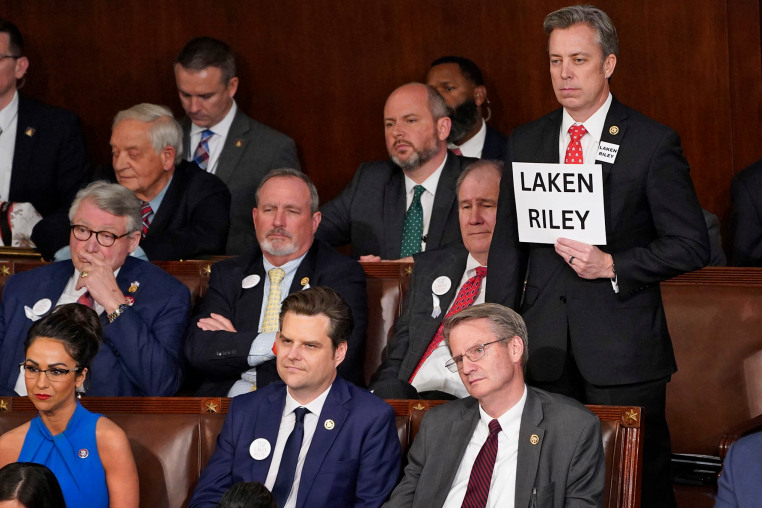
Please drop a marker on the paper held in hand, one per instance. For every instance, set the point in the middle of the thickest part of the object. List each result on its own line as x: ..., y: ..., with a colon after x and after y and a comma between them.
x: 559, y: 200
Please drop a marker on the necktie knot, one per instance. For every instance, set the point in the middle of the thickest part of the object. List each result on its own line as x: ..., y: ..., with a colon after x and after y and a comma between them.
x: 494, y: 427
x: 206, y: 135
x: 417, y: 192
x: 145, y: 213
x: 481, y: 271
x: 276, y: 275
x: 300, y: 413
x: 577, y: 131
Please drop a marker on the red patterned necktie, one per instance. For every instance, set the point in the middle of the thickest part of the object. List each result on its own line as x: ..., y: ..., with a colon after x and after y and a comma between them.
x: 201, y: 155
x: 465, y: 298
x: 481, y: 474
x: 145, y: 212
x: 574, y: 150
x: 86, y: 299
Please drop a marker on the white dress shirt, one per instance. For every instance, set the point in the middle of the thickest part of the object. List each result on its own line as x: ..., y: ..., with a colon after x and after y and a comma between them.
x: 287, y: 422
x: 433, y: 375
x: 502, y: 490
x: 427, y: 198
x: 474, y: 146
x: 216, y: 142
x: 8, y: 127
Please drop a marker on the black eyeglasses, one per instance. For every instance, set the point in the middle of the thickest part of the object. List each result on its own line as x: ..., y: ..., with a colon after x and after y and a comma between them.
x: 15, y: 57
x: 105, y: 238
x: 54, y: 374
x: 474, y: 353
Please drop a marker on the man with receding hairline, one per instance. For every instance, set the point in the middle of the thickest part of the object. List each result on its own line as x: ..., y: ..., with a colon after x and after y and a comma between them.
x: 396, y: 208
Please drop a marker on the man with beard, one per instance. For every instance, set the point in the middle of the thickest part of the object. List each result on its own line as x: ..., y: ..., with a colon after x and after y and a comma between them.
x: 230, y: 340
x: 460, y: 82
x: 396, y: 208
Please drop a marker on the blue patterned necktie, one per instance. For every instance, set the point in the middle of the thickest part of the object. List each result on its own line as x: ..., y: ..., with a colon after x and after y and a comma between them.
x: 201, y: 155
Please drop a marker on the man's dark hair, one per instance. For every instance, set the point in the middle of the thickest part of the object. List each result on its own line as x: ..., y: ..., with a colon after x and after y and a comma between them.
x: 32, y: 485
x: 469, y: 69
x: 76, y: 326
x: 248, y: 495
x: 203, y: 52
x: 16, y: 42
x: 322, y: 300
x: 592, y: 17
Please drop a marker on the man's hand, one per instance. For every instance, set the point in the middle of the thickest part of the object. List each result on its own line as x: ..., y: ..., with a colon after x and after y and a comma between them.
x: 370, y: 258
x: 216, y: 323
x: 98, y: 278
x: 587, y: 260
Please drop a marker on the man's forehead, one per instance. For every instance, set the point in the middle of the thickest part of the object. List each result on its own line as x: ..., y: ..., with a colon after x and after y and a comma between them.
x: 284, y: 191
x: 295, y: 325
x: 89, y: 214
x: 406, y: 101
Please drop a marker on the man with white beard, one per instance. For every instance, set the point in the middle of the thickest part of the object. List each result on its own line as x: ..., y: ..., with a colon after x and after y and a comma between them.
x: 231, y: 338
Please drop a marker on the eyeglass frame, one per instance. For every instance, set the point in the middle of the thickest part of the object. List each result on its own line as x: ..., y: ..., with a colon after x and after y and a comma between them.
x: 35, y: 374
x: 15, y: 57
x: 457, y: 361
x: 97, y: 235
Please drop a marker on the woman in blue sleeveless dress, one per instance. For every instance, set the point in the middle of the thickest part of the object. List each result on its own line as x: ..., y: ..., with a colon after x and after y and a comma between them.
x: 89, y: 454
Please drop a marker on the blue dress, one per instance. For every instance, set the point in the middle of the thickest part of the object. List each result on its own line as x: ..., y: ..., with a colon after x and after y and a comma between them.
x: 72, y: 456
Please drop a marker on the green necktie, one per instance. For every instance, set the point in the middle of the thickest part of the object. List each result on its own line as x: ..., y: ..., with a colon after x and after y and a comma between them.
x: 413, y: 230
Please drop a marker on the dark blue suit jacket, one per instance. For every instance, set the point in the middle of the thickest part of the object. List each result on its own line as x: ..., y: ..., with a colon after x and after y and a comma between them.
x: 495, y: 145
x: 141, y: 350
x: 221, y: 357
x: 49, y: 167
x: 354, y: 464
x: 738, y: 486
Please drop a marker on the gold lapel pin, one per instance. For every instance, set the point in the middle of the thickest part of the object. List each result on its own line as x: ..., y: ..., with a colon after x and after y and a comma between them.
x: 238, y: 143
x: 613, y: 130
x: 305, y: 281
x: 29, y: 131
x: 329, y: 425
x: 534, y: 439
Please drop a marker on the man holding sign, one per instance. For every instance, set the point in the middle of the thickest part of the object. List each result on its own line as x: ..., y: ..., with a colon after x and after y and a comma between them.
x: 593, y: 309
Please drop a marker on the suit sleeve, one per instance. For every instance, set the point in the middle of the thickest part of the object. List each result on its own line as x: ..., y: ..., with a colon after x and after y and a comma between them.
x: 682, y: 242
x: 404, y: 493
x: 336, y: 223
x: 204, y: 232
x: 587, y: 469
x: 219, y: 354
x: 379, y: 462
x: 746, y: 220
x: 350, y: 284
x: 52, y: 232
x: 285, y: 155
x: 150, y: 352
x: 216, y: 477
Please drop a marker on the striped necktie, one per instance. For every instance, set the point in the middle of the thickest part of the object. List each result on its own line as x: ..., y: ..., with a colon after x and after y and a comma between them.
x: 201, y: 155
x: 272, y: 311
x: 481, y: 474
x: 145, y: 213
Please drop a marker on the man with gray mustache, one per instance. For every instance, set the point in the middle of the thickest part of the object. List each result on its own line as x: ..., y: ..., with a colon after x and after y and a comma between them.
x: 230, y: 340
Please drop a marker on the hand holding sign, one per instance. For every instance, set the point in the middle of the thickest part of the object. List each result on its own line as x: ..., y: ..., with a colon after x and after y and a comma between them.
x: 587, y: 260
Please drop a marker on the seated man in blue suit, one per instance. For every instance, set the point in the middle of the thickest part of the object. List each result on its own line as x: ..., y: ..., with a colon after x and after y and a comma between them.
x: 314, y: 439
x: 143, y: 309
x: 738, y: 486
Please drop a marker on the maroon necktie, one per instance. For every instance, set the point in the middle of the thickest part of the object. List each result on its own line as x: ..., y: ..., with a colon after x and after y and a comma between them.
x: 574, y: 150
x: 145, y: 212
x: 456, y: 150
x: 465, y: 298
x: 86, y: 299
x: 481, y: 474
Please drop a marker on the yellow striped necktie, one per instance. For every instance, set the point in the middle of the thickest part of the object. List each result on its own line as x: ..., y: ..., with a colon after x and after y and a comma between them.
x: 270, y: 323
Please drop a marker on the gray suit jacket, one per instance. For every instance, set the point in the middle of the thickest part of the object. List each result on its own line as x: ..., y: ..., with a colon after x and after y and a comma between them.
x: 564, y: 469
x: 251, y: 150
x: 369, y: 213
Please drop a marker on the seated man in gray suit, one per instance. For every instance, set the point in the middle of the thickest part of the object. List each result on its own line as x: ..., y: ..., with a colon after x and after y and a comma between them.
x: 396, y: 208
x: 443, y: 282
x: 506, y: 444
x: 221, y: 138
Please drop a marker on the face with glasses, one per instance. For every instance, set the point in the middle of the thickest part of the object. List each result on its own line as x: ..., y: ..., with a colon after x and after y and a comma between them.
x: 51, y: 375
x: 11, y: 69
x: 98, y: 237
x: 490, y: 367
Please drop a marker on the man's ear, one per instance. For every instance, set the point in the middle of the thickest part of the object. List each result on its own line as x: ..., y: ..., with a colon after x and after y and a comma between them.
x: 443, y: 127
x: 341, y: 353
x: 480, y: 95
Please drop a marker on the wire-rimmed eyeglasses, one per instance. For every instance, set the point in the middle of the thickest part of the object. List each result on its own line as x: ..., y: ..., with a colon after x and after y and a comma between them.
x: 105, y: 238
x: 54, y: 374
x: 474, y: 353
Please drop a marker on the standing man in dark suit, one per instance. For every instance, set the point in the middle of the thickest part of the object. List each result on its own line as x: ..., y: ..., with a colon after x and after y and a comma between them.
x: 443, y: 282
x: 231, y: 337
x: 460, y: 82
x: 185, y: 210
x: 221, y: 138
x: 506, y: 444
x: 314, y: 440
x: 595, y: 314
x: 144, y: 310
x: 43, y: 160
x: 394, y: 209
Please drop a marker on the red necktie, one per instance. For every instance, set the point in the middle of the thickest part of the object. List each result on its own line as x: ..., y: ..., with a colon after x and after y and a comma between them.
x: 574, y: 150
x: 86, y: 299
x: 456, y: 150
x: 145, y: 212
x: 465, y: 298
x: 481, y: 474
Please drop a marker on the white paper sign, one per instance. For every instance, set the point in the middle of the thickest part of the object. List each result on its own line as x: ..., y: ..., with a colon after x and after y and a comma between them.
x: 559, y: 200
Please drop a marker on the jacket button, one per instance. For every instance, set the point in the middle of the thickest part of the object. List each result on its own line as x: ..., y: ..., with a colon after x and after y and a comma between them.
x: 563, y: 299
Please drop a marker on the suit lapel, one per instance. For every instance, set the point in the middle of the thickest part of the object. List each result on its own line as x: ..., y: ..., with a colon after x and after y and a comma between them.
x: 267, y: 425
x: 24, y: 147
x: 444, y: 199
x: 334, y: 409
x: 170, y: 202
x: 529, y: 454
x: 394, y: 214
x: 129, y: 281
x: 235, y: 144
x: 250, y: 299
x: 614, y: 130
x: 305, y: 270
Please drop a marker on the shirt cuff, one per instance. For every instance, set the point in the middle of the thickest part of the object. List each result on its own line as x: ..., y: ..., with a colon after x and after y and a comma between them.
x: 262, y: 349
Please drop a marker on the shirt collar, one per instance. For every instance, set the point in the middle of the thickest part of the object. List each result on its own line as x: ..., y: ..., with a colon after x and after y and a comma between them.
x: 315, y: 406
x: 471, y: 265
x: 9, y: 112
x: 288, y: 268
x: 593, y: 125
x: 155, y: 203
x: 475, y: 145
x: 509, y: 419
x: 221, y: 127
x: 430, y: 184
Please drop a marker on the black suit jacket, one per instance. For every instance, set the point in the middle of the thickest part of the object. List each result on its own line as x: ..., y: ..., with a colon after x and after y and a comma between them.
x: 221, y: 357
x: 655, y: 230
x: 747, y: 216
x: 49, y: 167
x: 565, y: 468
x: 495, y: 145
x: 251, y: 150
x: 415, y: 327
x: 193, y: 218
x: 369, y: 213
